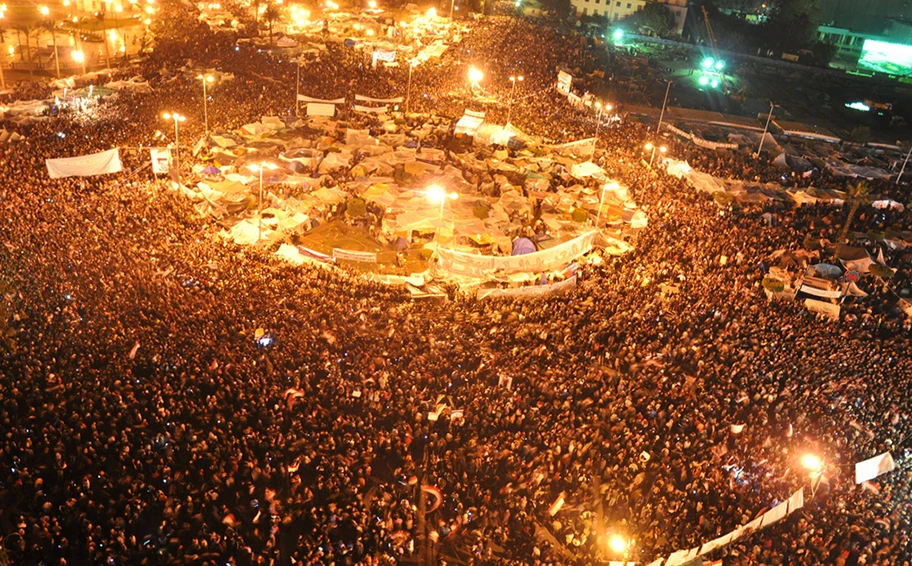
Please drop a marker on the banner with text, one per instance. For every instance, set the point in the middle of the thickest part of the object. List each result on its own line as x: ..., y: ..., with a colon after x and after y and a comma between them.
x: 350, y: 255
x: 564, y: 80
x: 161, y: 159
x: 303, y: 98
x: 482, y: 266
x: 362, y: 98
x: 873, y: 467
x: 531, y: 292
x: 85, y: 165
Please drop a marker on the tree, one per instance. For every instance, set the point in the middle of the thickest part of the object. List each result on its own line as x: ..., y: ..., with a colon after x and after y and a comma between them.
x: 654, y: 19
x: 857, y: 194
x: 271, y: 14
x: 563, y: 9
x: 792, y: 24
x: 823, y: 52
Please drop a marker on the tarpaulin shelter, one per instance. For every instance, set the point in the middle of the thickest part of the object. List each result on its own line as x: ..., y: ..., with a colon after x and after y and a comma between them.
x: 469, y: 123
x: 522, y: 246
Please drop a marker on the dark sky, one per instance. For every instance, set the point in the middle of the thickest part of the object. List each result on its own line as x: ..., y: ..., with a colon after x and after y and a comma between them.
x: 845, y: 11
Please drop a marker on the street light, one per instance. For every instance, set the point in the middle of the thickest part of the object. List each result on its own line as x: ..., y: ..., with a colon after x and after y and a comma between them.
x: 260, y: 167
x: 654, y: 148
x: 513, y: 80
x: 815, y: 466
x: 435, y: 194
x: 206, y: 79
x: 613, y: 185
x: 475, y: 76
x: 79, y: 57
x: 664, y: 103
x: 178, y: 118
x: 46, y: 12
x: 408, y: 88
x: 598, y: 122
x: 765, y: 129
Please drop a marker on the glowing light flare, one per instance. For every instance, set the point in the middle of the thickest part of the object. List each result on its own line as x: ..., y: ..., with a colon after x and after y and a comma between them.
x: 432, y: 13
x: 438, y: 195
x: 372, y: 4
x: 618, y: 34
x: 617, y: 543
x: 78, y: 56
x: 44, y: 10
x: 174, y: 116
x: 475, y: 75
x: 812, y: 462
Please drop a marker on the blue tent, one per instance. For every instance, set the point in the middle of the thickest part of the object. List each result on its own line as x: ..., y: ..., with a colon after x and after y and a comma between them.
x: 523, y: 246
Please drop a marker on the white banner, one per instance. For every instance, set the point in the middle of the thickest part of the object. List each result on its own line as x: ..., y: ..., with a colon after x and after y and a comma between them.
x: 583, y: 147
x: 320, y: 109
x: 85, y: 165
x: 822, y: 307
x: 371, y: 109
x: 531, y: 292
x: 564, y: 80
x: 161, y: 159
x: 396, y: 100
x: 351, y: 255
x: 774, y: 515
x: 303, y: 98
x: 388, y: 56
x: 873, y: 467
x: 796, y: 501
x: 481, y: 266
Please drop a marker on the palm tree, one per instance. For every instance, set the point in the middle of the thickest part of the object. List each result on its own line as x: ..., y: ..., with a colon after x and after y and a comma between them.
x: 47, y: 24
x: 857, y: 194
x: 271, y: 14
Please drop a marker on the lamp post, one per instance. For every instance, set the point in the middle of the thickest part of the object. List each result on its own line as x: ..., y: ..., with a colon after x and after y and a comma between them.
x: 815, y: 466
x: 452, y: 3
x: 664, y: 103
x: 298, y: 89
x: 79, y: 57
x: 2, y: 78
x: 513, y: 80
x: 598, y: 122
x: 46, y: 12
x: 654, y: 148
x: 475, y: 76
x: 435, y: 194
x: 903, y: 168
x: 765, y: 129
x: 408, y: 88
x: 605, y: 187
x: 620, y: 545
x: 260, y: 167
x: 177, y: 118
x: 206, y: 79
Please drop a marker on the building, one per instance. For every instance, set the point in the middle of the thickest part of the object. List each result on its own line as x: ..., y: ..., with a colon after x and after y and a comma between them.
x: 616, y: 10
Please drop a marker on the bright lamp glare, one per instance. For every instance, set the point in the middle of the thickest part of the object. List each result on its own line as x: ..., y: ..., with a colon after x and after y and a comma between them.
x: 812, y: 462
x: 617, y: 543
x: 720, y: 65
x: 618, y: 34
x: 715, y: 83
x: 708, y: 62
x: 860, y: 106
x: 703, y: 81
x: 475, y: 75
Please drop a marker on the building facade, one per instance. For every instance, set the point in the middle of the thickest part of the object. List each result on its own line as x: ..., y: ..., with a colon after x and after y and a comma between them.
x: 616, y: 10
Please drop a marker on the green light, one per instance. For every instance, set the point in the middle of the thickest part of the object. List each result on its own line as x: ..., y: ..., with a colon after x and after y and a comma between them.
x: 703, y: 81
x: 618, y: 34
x: 715, y: 83
x: 720, y: 65
x: 884, y: 57
x: 708, y: 62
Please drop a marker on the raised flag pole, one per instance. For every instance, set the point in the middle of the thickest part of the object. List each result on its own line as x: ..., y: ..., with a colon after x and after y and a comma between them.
x: 297, y: 89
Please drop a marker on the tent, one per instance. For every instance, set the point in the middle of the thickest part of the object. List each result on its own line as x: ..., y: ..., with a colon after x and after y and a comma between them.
x: 522, y: 246
x: 469, y: 123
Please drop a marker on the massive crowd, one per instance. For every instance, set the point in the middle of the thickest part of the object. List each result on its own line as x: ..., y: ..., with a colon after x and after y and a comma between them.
x: 170, y: 398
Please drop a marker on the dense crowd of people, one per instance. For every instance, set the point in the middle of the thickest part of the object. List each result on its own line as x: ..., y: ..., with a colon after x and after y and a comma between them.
x: 167, y: 397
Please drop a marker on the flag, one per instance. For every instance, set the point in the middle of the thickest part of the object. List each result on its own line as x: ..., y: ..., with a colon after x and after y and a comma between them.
x: 870, y: 486
x: 556, y: 506
x: 134, y: 350
x: 737, y: 428
x: 436, y: 493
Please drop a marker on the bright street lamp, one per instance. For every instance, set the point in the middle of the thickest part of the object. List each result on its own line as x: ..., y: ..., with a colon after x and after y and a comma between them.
x: 372, y: 4
x: 812, y: 463
x: 79, y: 57
x: 435, y: 194
x: 475, y: 76
x: 654, y: 148
x: 178, y: 118
x: 513, y: 80
x: 260, y: 167
x: 617, y: 543
x: 206, y: 79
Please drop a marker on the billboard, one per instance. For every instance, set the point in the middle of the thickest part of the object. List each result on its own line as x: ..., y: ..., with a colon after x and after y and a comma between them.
x: 884, y: 57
